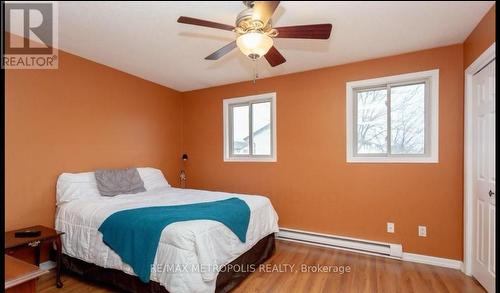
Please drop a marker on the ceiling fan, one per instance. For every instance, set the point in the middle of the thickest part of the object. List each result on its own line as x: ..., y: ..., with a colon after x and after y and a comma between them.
x: 255, y: 32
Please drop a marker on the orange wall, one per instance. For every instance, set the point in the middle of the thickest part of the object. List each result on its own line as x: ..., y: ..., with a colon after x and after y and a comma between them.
x: 481, y: 38
x: 311, y: 186
x: 85, y: 116
x: 81, y: 117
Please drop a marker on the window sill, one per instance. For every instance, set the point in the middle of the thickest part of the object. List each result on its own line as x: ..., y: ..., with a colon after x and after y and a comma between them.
x: 255, y: 160
x: 393, y: 160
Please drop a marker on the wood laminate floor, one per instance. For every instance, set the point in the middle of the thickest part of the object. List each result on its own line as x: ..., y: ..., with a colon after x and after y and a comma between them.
x: 366, y: 274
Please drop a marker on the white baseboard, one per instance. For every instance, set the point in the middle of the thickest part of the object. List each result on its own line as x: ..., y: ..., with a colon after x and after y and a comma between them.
x: 389, y: 250
x: 48, y: 265
x: 432, y: 260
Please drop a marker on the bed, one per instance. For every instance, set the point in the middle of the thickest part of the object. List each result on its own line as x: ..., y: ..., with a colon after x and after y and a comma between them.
x: 192, y: 256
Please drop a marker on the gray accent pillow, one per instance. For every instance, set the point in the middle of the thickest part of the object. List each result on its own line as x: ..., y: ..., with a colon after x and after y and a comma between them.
x: 119, y: 181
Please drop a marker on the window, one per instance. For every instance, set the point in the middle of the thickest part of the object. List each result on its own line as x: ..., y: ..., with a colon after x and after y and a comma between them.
x: 393, y: 119
x: 250, y: 128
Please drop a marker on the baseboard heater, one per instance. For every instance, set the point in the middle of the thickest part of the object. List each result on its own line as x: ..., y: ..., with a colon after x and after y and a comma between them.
x: 340, y: 242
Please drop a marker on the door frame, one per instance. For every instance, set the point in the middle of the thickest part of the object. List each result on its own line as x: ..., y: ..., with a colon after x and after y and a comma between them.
x: 478, y: 64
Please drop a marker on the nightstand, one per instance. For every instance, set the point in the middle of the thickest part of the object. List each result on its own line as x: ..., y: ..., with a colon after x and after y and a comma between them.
x: 48, y: 235
x: 20, y: 276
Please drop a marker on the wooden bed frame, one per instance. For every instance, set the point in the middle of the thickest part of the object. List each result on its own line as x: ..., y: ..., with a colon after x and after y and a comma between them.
x: 226, y: 280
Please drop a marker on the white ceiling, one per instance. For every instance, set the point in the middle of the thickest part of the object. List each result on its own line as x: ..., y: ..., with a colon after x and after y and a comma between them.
x: 144, y: 39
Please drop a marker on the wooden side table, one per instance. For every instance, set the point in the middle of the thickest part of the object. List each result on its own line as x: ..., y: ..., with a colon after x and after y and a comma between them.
x: 50, y: 235
x: 20, y: 276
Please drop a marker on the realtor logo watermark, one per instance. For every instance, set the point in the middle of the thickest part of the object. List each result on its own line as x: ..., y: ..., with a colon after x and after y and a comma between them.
x: 30, y: 35
x: 250, y: 268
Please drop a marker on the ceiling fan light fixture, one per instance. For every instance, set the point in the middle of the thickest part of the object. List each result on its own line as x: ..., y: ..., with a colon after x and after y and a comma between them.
x: 254, y: 44
x: 255, y: 32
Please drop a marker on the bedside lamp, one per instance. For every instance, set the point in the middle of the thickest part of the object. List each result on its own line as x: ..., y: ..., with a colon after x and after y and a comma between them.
x: 182, y: 174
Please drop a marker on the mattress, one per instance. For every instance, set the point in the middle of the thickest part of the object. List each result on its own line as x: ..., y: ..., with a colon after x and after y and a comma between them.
x: 190, y: 254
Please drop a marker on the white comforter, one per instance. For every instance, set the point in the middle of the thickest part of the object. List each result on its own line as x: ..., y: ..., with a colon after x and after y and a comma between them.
x: 194, y: 247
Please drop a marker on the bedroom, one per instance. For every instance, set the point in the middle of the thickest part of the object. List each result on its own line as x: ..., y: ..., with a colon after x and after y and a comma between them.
x: 288, y: 143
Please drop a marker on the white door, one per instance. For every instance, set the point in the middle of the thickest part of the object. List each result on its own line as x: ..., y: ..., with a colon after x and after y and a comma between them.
x: 483, y: 150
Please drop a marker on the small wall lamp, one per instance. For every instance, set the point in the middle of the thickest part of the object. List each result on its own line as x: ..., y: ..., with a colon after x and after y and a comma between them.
x: 182, y: 174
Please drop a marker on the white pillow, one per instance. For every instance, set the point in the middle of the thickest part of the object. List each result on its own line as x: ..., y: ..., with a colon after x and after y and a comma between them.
x: 152, y: 178
x: 71, y: 186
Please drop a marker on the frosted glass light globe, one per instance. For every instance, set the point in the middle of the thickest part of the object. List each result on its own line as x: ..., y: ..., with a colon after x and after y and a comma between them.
x: 254, y: 44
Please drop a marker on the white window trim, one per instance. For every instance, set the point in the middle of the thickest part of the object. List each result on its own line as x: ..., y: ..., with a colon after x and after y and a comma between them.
x: 433, y: 156
x: 226, y: 142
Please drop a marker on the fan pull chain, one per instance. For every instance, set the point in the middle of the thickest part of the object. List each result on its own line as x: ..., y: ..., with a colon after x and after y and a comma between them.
x: 255, y: 71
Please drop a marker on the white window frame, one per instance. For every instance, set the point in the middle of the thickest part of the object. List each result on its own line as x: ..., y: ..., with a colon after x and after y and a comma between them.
x: 227, y: 103
x: 431, y: 78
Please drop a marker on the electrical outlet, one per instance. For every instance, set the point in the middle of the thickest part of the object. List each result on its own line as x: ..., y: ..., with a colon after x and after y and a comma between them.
x: 422, y: 231
x: 390, y: 227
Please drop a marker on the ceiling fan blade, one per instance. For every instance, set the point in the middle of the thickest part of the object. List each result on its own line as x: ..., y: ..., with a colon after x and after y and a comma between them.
x: 274, y: 57
x: 222, y: 51
x: 311, y: 31
x: 206, y: 23
x: 263, y: 10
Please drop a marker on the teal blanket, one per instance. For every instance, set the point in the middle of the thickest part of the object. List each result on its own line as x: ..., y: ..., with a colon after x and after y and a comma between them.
x: 134, y: 234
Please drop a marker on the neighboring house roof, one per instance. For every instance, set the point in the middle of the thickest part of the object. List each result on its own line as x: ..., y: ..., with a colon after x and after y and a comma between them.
x: 259, y: 131
x: 238, y: 145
